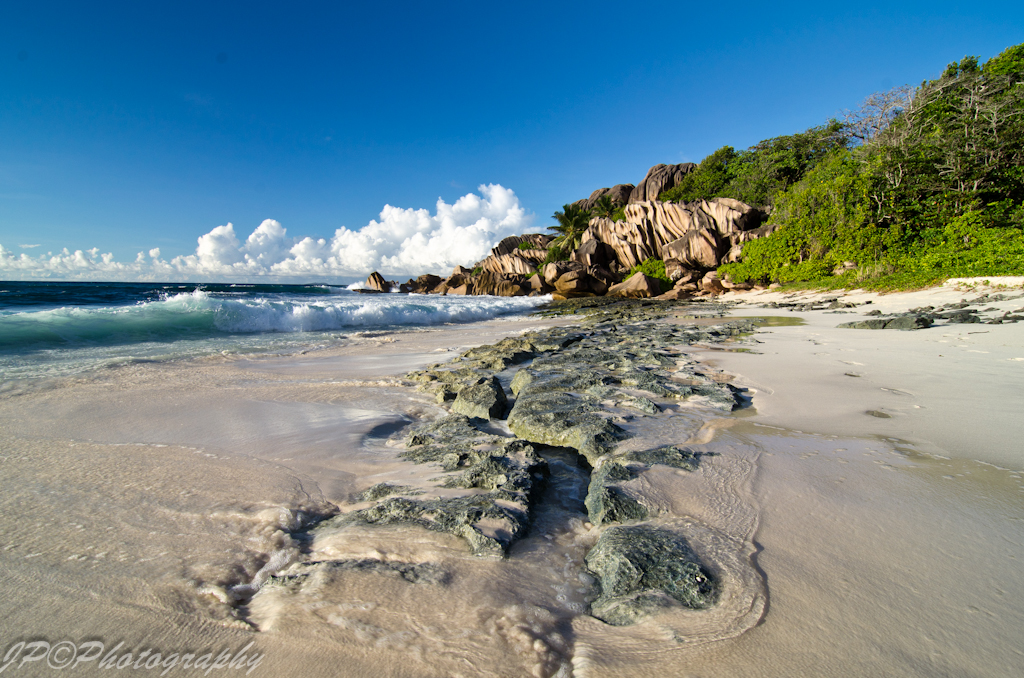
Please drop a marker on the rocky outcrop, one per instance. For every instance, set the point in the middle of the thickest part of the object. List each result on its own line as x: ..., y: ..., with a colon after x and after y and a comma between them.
x: 660, y: 178
x: 698, y: 233
x: 594, y: 253
x: 700, y: 248
x: 498, y: 285
x: 509, y: 264
x: 421, y: 285
x: 483, y: 399
x: 510, y: 245
x: 377, y: 283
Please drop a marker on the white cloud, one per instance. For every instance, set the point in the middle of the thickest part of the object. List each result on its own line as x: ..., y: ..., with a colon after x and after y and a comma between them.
x: 28, y: 247
x: 399, y: 243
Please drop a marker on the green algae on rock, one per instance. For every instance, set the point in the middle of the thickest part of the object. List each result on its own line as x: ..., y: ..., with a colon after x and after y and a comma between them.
x: 484, y: 399
x: 644, y: 569
x: 606, y: 502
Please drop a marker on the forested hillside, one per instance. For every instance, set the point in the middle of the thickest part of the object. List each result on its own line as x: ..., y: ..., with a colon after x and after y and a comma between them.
x: 917, y: 185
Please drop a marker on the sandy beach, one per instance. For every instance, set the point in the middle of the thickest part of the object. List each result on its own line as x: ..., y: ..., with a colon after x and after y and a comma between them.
x: 865, y: 509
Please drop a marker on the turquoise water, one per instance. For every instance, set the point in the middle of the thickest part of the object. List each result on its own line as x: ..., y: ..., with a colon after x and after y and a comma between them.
x: 54, y: 329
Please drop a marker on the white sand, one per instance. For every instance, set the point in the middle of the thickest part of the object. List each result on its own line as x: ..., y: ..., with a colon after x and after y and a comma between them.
x: 949, y: 389
x: 130, y: 500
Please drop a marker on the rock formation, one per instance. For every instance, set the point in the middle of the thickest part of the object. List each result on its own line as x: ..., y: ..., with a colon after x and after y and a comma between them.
x: 619, y: 194
x: 692, y: 238
x: 377, y: 283
x: 650, y: 226
x: 639, y: 286
x: 660, y: 178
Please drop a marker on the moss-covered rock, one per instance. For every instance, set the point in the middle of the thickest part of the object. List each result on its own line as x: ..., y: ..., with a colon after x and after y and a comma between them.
x: 606, y: 502
x: 489, y: 527
x: 668, y: 455
x: 484, y: 398
x: 564, y: 420
x: 642, y: 569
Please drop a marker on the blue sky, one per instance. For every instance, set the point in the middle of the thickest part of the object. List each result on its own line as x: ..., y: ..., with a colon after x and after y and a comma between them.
x: 130, y: 127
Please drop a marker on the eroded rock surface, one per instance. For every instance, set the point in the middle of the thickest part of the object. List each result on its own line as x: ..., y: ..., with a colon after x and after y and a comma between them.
x: 571, y: 385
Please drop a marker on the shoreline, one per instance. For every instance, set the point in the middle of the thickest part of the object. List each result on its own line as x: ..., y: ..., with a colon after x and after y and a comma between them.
x: 796, y: 499
x: 949, y: 389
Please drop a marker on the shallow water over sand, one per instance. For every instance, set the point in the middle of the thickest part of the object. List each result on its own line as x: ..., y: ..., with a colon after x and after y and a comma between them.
x: 136, y: 500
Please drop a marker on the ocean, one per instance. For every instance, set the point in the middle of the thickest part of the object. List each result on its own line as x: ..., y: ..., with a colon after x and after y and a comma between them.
x: 57, y: 329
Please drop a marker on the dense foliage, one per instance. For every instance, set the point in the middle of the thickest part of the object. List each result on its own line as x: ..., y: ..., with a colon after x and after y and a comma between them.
x: 916, y: 186
x: 758, y: 174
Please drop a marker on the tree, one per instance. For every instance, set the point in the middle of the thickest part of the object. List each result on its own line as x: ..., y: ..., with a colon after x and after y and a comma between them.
x: 708, y: 180
x: 766, y: 169
x: 572, y: 221
x: 604, y: 207
x: 877, y: 112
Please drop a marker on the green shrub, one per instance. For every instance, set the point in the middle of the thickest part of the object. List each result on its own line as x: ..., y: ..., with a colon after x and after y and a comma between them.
x: 654, y: 268
x: 556, y: 253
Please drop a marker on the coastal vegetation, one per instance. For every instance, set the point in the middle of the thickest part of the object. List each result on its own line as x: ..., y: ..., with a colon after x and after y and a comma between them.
x: 916, y: 186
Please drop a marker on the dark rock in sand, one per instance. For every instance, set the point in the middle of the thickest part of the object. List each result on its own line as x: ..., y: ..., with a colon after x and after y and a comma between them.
x: 642, y: 569
x: 510, y: 474
x: 451, y: 441
x: 381, y: 490
x: 668, y: 455
x: 906, y: 322
x: 464, y: 517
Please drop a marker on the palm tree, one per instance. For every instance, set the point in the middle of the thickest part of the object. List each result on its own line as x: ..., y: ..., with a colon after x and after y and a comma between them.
x: 604, y: 207
x: 572, y: 221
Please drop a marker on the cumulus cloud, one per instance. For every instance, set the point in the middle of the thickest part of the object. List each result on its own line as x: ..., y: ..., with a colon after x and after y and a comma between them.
x: 400, y: 242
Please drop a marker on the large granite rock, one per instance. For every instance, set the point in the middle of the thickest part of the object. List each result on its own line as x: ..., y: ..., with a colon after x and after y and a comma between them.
x: 579, y: 284
x: 660, y: 178
x: 508, y: 264
x: 556, y: 269
x: 649, y: 226
x: 594, y: 253
x: 680, y: 274
x: 496, y: 285
x: 712, y: 284
x: 643, y: 569
x: 699, y: 248
x: 638, y: 286
x: 377, y: 282
x: 421, y: 285
x: 511, y: 244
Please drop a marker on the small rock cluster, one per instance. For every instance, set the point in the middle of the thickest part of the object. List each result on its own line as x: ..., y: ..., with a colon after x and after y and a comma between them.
x: 963, y: 312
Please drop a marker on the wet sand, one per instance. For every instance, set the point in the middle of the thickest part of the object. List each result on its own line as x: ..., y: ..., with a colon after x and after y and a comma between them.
x: 134, y: 500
